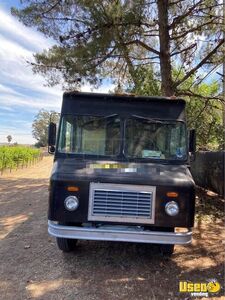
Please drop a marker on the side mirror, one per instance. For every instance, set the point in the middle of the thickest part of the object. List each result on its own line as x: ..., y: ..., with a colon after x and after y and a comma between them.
x: 192, y: 140
x: 51, y: 137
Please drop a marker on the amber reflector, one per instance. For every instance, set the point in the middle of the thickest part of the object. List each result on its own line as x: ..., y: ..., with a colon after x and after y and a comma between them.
x: 73, y: 188
x: 172, y: 194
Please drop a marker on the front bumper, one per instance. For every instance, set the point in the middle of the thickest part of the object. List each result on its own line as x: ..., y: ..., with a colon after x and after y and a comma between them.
x: 114, y: 233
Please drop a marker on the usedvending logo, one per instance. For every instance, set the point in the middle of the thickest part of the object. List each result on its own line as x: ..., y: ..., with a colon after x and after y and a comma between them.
x: 200, y: 289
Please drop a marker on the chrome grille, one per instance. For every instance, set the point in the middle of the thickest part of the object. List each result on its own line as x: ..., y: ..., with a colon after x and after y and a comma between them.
x: 121, y: 203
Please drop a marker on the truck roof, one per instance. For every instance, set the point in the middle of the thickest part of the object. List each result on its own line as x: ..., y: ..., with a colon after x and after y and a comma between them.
x: 126, y: 104
x: 122, y: 96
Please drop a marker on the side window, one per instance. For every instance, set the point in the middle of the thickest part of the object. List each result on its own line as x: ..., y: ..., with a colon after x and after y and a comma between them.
x: 177, y: 144
x: 66, y: 135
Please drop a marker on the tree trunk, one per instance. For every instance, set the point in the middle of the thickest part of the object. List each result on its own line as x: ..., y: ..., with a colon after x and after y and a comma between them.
x: 164, y: 40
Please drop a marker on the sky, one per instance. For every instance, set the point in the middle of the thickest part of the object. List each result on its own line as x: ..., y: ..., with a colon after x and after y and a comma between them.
x: 22, y: 93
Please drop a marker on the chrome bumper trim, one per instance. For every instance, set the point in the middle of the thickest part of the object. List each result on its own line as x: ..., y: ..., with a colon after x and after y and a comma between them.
x: 110, y: 234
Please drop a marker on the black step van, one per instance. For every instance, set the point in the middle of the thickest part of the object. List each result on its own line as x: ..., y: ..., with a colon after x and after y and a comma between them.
x: 121, y: 171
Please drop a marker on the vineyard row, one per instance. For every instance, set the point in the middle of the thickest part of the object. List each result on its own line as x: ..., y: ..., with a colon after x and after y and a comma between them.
x: 14, y: 157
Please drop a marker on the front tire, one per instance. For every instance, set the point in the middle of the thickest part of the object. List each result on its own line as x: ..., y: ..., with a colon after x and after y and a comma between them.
x: 66, y: 245
x: 167, y: 250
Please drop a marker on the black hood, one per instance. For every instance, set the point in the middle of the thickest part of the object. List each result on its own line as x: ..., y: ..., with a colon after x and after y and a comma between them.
x: 142, y: 173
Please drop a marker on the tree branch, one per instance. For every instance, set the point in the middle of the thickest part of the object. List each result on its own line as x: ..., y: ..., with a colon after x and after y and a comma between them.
x: 125, y: 52
x: 45, y: 66
x: 191, y: 30
x: 52, y: 7
x: 176, y: 2
x: 143, y: 45
x: 202, y: 62
x: 103, y: 58
x: 178, y: 19
x: 192, y: 94
x: 185, y: 49
x: 195, y: 118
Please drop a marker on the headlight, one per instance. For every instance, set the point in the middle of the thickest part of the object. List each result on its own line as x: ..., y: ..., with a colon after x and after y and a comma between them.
x: 172, y: 208
x: 71, y: 203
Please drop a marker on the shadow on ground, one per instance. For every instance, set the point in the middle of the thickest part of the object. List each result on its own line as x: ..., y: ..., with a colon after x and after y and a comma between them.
x: 33, y: 268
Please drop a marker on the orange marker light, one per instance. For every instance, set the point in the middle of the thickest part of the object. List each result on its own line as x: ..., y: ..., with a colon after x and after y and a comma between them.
x: 172, y: 194
x: 72, y: 188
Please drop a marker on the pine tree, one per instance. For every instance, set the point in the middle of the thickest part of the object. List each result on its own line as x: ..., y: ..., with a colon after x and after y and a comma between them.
x: 115, y: 38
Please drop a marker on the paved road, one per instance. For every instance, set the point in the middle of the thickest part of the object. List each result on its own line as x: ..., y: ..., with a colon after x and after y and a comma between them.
x: 33, y: 268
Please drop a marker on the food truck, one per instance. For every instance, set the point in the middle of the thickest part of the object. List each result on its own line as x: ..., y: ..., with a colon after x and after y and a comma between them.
x: 121, y: 171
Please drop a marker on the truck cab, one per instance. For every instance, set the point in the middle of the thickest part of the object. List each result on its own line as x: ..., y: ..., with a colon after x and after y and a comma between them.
x: 121, y: 171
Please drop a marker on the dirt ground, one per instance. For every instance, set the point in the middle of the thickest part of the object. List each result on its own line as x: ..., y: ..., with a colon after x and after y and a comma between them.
x: 33, y: 268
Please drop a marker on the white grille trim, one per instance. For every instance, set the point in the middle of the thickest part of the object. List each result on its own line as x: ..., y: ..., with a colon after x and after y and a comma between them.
x: 117, y: 214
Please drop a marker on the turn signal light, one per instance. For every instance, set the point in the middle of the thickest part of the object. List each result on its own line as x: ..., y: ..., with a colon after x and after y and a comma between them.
x: 172, y: 194
x: 72, y: 188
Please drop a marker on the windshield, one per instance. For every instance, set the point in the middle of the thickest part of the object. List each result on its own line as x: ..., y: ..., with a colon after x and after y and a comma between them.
x: 148, y: 138
x: 91, y: 135
x: 144, y: 138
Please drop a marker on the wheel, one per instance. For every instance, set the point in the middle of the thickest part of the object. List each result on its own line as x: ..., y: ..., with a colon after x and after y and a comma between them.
x: 66, y: 245
x: 167, y: 250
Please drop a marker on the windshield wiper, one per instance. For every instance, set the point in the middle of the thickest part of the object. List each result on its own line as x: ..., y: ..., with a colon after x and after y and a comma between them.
x: 150, y: 119
x: 109, y: 116
x: 100, y: 119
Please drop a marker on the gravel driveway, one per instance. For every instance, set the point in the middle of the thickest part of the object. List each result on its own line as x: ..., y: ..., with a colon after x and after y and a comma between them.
x: 33, y: 268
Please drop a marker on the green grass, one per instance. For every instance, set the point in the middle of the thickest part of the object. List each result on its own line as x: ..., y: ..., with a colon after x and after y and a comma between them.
x: 14, y: 156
